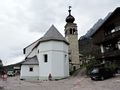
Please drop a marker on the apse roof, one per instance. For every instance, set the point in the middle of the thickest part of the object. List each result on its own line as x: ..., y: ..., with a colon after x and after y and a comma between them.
x: 31, y: 61
x: 53, y: 34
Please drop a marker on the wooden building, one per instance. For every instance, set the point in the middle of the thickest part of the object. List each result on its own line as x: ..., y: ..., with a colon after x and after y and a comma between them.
x: 107, y: 37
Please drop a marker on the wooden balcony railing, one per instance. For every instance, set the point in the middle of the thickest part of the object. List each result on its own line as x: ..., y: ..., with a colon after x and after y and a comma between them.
x: 109, y: 54
x: 108, y: 38
x: 112, y: 36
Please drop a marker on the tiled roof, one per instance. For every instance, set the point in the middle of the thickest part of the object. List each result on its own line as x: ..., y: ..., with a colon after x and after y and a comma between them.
x: 53, y: 34
x: 31, y: 61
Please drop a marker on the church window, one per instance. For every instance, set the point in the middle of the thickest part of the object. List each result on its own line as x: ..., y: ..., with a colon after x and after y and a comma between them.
x: 31, y: 69
x: 24, y: 51
x: 45, y: 58
x: 70, y: 30
x: 65, y: 58
x: 74, y: 30
x: 38, y: 51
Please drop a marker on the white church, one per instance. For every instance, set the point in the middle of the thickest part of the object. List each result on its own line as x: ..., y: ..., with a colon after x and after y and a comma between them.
x: 52, y: 54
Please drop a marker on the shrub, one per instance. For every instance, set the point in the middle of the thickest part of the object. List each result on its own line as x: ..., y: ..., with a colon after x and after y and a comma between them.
x: 89, y: 66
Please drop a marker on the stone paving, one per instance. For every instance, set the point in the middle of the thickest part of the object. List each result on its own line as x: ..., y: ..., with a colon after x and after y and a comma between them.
x: 72, y: 83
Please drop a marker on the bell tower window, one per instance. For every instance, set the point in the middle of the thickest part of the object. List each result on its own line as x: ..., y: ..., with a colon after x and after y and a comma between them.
x: 70, y: 30
x: 74, y: 31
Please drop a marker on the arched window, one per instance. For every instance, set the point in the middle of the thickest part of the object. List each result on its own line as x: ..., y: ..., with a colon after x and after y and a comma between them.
x: 74, y: 68
x: 74, y: 31
x: 70, y: 30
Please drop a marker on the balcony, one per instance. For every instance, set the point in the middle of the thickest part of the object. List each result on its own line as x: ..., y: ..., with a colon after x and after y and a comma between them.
x: 110, y: 54
x: 112, y: 36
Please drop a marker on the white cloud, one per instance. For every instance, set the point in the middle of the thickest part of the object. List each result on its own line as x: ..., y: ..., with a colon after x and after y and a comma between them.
x: 24, y: 21
x: 15, y: 18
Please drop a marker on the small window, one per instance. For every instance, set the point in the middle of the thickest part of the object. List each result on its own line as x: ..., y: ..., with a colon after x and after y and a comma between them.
x: 65, y: 58
x: 38, y: 51
x: 74, y: 68
x: 31, y: 69
x: 45, y: 58
x: 24, y: 51
x: 70, y: 30
x: 74, y: 31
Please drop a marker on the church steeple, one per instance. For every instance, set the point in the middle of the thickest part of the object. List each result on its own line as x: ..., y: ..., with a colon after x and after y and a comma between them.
x: 70, y: 18
x: 70, y: 27
x: 71, y: 35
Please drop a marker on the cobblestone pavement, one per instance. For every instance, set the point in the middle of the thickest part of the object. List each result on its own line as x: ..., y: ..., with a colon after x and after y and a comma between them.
x: 72, y: 83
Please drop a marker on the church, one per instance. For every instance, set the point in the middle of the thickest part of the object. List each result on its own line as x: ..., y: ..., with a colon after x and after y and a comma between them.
x: 52, y: 55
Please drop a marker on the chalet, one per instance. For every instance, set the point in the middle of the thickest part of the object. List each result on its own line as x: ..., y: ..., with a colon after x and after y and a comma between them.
x: 107, y: 37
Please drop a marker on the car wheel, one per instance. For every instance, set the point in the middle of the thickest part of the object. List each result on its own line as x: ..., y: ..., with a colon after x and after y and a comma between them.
x: 92, y: 78
x: 102, y: 78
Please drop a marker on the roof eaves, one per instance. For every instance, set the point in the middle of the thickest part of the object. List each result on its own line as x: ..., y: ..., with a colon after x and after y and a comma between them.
x: 105, y: 20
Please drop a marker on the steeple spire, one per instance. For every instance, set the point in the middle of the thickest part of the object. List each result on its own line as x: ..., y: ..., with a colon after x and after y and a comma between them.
x: 71, y: 35
x: 69, y: 10
x: 70, y: 18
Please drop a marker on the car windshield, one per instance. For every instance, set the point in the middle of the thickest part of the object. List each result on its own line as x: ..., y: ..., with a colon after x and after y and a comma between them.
x: 95, y: 70
x: 10, y: 71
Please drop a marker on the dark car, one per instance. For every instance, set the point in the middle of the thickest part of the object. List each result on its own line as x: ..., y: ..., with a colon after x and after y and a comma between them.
x: 101, y: 73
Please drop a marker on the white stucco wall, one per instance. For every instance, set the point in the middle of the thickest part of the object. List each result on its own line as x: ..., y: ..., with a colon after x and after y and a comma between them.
x: 26, y: 74
x: 29, y: 48
x: 60, y: 65
x: 44, y: 68
x: 56, y: 65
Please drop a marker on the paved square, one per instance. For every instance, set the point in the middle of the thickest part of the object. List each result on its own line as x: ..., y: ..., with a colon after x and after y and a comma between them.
x: 72, y: 83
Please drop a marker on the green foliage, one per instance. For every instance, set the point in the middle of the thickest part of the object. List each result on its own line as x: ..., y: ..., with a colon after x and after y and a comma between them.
x: 89, y: 66
x: 1, y: 66
x: 111, y: 65
x: 92, y: 63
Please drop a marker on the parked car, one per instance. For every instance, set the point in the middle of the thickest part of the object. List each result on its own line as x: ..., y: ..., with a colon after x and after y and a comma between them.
x: 101, y: 73
x: 10, y: 73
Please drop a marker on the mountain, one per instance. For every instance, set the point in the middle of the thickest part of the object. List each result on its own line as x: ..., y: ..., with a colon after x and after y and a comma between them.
x: 95, y: 27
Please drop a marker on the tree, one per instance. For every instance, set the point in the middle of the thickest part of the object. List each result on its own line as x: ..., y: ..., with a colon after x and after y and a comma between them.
x: 91, y: 64
x: 1, y: 67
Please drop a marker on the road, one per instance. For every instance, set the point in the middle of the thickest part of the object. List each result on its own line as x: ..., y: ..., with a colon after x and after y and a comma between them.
x: 72, y: 83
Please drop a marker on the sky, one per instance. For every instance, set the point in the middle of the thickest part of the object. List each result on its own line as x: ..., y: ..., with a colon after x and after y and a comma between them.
x: 24, y: 21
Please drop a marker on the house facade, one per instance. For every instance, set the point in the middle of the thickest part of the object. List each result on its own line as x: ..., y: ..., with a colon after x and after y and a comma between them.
x: 107, y: 37
x: 46, y: 56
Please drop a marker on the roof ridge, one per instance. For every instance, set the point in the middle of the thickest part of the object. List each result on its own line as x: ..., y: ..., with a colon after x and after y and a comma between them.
x: 53, y: 34
x: 52, y: 30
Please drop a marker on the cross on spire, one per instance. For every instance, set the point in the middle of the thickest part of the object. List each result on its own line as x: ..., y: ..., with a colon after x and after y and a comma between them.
x: 70, y: 18
x: 70, y: 7
x: 69, y: 10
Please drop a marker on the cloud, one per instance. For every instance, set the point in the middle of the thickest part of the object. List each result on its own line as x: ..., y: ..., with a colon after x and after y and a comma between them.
x: 45, y: 14
x: 89, y: 11
x: 24, y: 21
x: 86, y: 12
x: 15, y: 18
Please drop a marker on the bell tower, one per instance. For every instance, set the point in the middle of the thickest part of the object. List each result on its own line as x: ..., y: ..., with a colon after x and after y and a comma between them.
x: 71, y: 35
